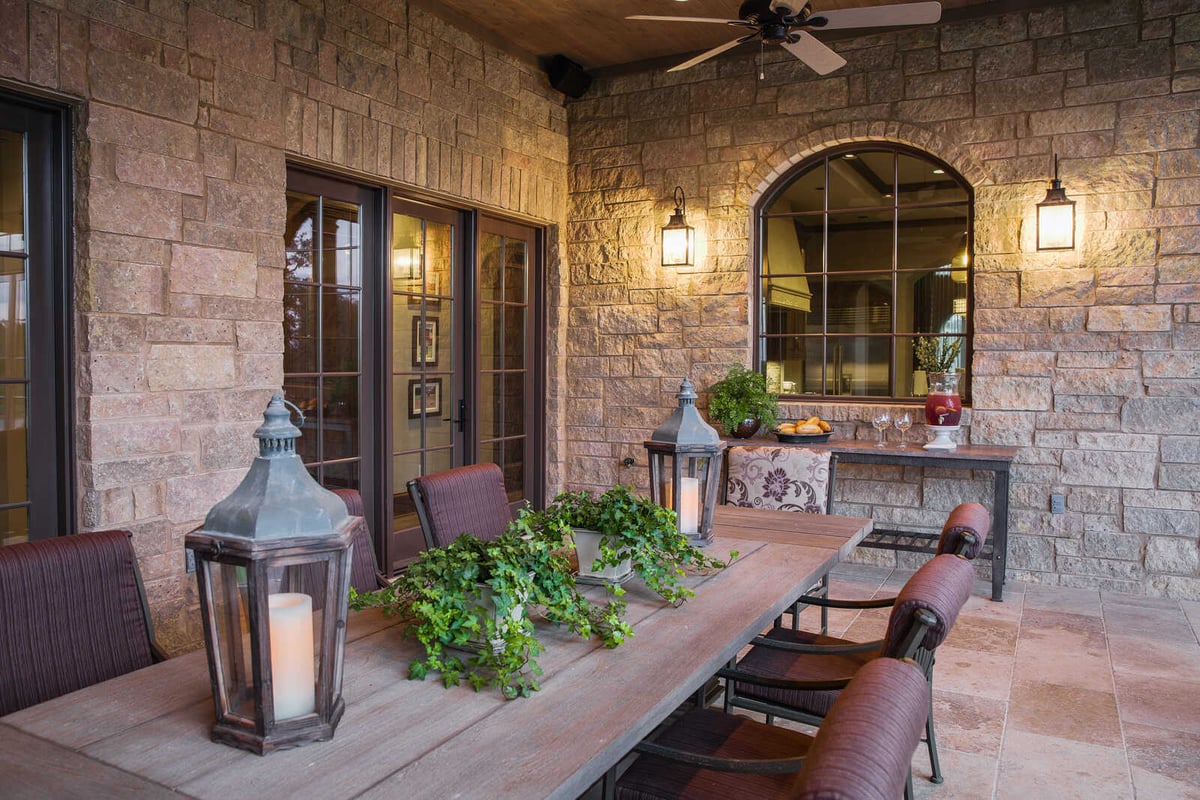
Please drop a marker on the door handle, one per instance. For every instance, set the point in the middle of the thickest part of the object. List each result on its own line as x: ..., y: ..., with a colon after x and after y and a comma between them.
x: 461, y: 422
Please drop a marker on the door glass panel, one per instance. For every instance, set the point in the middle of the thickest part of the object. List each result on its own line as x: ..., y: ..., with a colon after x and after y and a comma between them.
x: 13, y: 478
x: 12, y: 318
x: 424, y: 353
x: 12, y: 191
x: 516, y: 270
x: 510, y: 455
x: 323, y: 332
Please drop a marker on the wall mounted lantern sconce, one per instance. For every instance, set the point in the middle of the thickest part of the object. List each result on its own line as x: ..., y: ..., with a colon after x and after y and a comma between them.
x: 679, y: 238
x: 1056, y: 217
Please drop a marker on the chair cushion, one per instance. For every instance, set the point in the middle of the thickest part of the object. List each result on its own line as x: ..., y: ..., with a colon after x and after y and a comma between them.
x: 965, y: 518
x: 786, y: 478
x: 71, y: 615
x: 865, y: 745
x: 469, y: 499
x: 713, y: 733
x: 767, y: 662
x: 941, y: 586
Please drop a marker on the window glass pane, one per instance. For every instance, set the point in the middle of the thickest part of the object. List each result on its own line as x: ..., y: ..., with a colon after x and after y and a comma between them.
x: 491, y: 270
x: 932, y: 237
x: 342, y: 250
x: 514, y: 337
x: 860, y: 240
x: 12, y: 191
x: 859, y: 366
x: 860, y: 180
x: 806, y: 193
x: 341, y: 475
x: 407, y: 237
x: 300, y: 230
x: 922, y: 181
x: 515, y: 270
x: 340, y: 419
x: 299, y: 328
x: 510, y: 455
x: 860, y: 304
x: 14, y: 481
x: 339, y: 330
x: 491, y: 336
x: 14, y: 526
x: 12, y: 318
x: 929, y: 300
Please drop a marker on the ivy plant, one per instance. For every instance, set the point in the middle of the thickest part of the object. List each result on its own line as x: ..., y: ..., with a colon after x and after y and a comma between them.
x: 470, y: 605
x: 632, y: 527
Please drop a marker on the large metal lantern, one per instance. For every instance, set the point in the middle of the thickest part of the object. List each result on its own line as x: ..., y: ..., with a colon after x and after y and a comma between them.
x: 685, y: 467
x: 273, y: 568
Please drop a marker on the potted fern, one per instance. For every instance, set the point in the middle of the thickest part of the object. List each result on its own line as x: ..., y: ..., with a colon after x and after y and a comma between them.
x: 467, y: 603
x: 624, y: 533
x: 740, y: 402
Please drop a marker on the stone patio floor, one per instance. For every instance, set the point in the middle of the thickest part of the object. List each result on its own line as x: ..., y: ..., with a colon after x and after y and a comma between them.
x: 1056, y: 693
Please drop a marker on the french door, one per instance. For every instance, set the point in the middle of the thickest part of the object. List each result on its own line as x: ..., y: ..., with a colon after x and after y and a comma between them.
x: 36, y: 486
x: 462, y: 354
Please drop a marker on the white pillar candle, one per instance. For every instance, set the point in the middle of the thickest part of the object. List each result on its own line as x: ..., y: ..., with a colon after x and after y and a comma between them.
x: 292, y: 669
x: 689, y: 505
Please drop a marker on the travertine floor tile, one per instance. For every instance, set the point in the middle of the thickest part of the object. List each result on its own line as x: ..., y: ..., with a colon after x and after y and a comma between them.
x: 973, y: 673
x: 1064, y: 712
x: 1159, y: 702
x: 967, y: 724
x: 983, y: 635
x: 1035, y: 767
x: 967, y: 776
x: 1057, y: 598
x: 1157, y: 751
x: 1154, y: 659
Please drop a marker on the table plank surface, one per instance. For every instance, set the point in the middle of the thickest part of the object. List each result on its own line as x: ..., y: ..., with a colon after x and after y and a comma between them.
x: 149, y: 730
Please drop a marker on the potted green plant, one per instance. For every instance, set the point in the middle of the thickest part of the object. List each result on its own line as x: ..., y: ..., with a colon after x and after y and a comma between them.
x: 740, y: 402
x: 937, y: 353
x: 629, y: 533
x: 466, y: 603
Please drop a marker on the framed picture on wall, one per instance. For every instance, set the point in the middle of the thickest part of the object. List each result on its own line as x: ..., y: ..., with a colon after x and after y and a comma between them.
x: 424, y: 397
x: 424, y: 341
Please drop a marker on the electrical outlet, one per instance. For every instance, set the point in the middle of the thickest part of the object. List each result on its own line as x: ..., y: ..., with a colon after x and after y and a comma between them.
x: 189, y: 560
x: 1058, y: 504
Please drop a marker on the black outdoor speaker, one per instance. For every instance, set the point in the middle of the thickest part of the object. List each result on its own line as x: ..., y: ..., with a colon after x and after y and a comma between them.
x: 567, y: 76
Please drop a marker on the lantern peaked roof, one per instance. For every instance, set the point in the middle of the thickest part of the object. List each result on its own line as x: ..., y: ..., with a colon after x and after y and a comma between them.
x: 685, y: 425
x: 278, y: 498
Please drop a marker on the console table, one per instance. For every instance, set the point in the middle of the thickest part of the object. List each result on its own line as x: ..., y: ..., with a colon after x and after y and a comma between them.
x: 994, y: 459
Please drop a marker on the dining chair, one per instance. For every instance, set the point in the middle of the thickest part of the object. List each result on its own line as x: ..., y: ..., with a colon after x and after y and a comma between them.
x: 785, y: 478
x: 964, y: 534
x: 365, y: 575
x: 792, y: 674
x: 470, y: 499
x: 862, y: 750
x: 73, y: 613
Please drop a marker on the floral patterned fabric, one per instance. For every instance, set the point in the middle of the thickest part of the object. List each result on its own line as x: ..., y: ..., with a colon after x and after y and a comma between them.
x: 786, y: 478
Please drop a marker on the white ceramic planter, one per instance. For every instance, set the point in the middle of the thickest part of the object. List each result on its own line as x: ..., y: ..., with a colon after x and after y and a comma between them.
x: 587, y: 548
x: 485, y: 600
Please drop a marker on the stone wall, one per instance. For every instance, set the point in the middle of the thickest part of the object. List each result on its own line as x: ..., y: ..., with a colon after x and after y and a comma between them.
x: 1088, y: 362
x: 188, y: 114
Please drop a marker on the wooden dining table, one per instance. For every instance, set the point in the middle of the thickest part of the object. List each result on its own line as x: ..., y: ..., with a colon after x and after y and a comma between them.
x: 146, y: 734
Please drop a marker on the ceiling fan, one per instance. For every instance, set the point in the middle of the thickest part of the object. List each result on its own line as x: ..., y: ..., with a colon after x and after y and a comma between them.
x: 775, y: 22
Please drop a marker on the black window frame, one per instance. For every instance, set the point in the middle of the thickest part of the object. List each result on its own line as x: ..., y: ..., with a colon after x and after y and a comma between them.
x: 756, y: 277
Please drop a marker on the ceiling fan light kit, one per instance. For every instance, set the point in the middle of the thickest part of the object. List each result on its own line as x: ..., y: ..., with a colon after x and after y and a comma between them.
x: 776, y: 22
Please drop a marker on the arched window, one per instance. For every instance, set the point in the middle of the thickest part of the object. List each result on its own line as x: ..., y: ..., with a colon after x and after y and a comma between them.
x: 861, y: 250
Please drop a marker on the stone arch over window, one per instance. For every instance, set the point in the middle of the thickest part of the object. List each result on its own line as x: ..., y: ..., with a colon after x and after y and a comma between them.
x: 861, y: 249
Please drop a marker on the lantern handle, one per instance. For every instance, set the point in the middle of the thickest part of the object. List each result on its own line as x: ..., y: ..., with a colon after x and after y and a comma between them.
x: 295, y: 408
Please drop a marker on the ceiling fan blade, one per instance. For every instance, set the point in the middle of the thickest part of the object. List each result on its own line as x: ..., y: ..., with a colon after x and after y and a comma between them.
x: 707, y: 54
x: 880, y: 16
x: 812, y: 52
x: 687, y: 19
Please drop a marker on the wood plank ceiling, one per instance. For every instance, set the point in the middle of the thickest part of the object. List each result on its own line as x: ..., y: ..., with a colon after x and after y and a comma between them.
x: 596, y: 35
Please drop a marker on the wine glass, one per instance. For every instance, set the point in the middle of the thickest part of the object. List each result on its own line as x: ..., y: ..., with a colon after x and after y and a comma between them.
x: 903, y: 423
x: 881, y: 422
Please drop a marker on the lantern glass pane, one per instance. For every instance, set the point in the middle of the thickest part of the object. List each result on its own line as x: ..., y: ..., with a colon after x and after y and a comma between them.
x: 1056, y: 226
x: 232, y: 633
x: 296, y: 602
